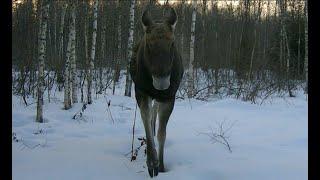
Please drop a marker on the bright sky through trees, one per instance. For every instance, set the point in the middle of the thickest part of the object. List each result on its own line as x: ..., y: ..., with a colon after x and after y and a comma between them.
x: 235, y: 3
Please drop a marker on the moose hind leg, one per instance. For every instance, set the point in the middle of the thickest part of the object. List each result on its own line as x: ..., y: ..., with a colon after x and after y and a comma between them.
x: 164, y: 112
x: 145, y: 105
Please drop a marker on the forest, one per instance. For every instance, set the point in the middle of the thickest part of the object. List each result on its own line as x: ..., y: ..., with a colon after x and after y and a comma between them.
x: 246, y: 49
x: 240, y: 112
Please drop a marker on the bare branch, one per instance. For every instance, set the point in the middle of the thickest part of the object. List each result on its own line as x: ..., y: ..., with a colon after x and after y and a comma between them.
x: 220, y: 134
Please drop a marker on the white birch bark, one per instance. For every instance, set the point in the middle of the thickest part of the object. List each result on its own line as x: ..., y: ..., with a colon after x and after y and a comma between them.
x: 130, y: 44
x: 93, y: 49
x: 86, y: 52
x: 190, y: 73
x: 42, y: 50
x: 67, y: 70
x: 67, y: 99
x: 73, y: 55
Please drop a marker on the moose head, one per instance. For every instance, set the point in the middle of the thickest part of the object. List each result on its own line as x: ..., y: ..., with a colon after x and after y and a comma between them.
x: 159, y: 42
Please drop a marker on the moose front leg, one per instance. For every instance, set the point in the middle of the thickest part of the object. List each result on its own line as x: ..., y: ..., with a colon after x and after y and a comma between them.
x: 164, y: 112
x: 145, y: 105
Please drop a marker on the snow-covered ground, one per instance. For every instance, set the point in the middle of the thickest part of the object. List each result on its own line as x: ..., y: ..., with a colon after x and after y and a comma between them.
x: 268, y: 142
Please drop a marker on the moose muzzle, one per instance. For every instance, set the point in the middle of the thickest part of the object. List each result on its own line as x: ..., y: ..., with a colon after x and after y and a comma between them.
x: 161, y: 83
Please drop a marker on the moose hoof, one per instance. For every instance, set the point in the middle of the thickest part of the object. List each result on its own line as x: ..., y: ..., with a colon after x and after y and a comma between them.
x: 161, y: 168
x: 153, y: 167
x: 153, y: 171
x: 153, y: 163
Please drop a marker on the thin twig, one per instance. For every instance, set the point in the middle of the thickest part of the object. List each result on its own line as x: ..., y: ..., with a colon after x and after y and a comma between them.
x: 133, y: 128
x: 220, y: 136
x: 109, y: 111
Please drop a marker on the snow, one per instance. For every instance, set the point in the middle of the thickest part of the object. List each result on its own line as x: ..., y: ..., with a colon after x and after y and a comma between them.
x: 268, y: 141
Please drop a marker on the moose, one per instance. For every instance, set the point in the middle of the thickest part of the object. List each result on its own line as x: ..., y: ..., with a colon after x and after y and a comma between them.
x: 156, y: 69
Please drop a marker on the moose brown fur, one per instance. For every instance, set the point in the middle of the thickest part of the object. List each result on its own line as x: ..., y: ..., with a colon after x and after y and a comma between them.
x: 156, y: 69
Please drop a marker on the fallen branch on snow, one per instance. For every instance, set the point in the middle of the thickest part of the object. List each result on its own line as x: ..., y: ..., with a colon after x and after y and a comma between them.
x: 24, y: 145
x: 220, y: 136
x: 134, y: 152
x: 109, y: 111
x: 80, y: 113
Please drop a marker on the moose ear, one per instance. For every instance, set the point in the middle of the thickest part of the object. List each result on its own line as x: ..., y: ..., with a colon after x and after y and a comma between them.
x: 172, y: 18
x: 146, y: 19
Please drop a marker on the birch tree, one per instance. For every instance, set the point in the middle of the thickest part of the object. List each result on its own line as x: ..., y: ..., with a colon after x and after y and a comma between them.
x: 129, y: 53
x: 85, y: 34
x: 234, y: 46
x: 73, y: 79
x: 190, y: 73
x: 69, y: 60
x: 93, y: 50
x: 42, y: 49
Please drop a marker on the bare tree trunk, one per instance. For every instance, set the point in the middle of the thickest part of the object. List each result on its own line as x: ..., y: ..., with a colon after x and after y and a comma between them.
x: 306, y: 45
x: 252, y: 55
x: 266, y: 32
x: 257, y: 17
x: 60, y: 51
x: 48, y: 89
x: 229, y: 59
x: 190, y: 73
x: 63, y: 13
x: 74, y: 81
x: 68, y: 69
x: 103, y: 46
x: 42, y: 50
x: 299, y: 44
x: 55, y: 31
x: 130, y: 44
x: 283, y: 15
x: 67, y: 99
x: 117, y: 63
x: 82, y: 80
x: 203, y: 20
x: 182, y: 28
x: 86, y: 53
x: 93, y: 49
x: 216, y: 68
